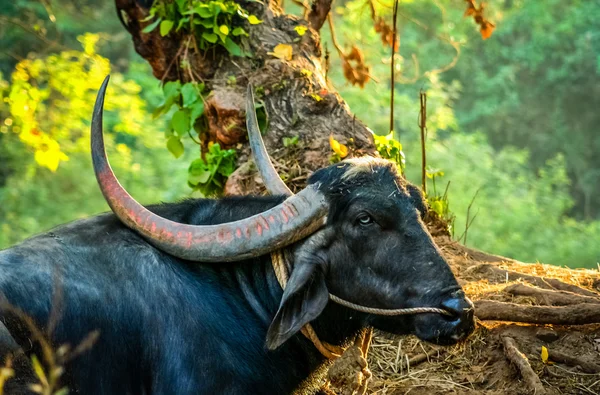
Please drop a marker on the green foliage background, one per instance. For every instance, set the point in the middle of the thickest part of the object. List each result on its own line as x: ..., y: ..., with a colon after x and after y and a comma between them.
x: 515, y: 118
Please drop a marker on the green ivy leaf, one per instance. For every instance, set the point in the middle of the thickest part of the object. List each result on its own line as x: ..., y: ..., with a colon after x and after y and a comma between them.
x: 238, y: 31
x: 199, y: 177
x: 232, y: 47
x: 171, y: 89
x: 254, y: 20
x: 181, y: 122
x: 151, y: 26
x: 165, y: 27
x: 210, y: 37
x: 196, y: 110
x: 204, y: 12
x: 182, y: 22
x: 207, y: 23
x: 189, y: 93
x: 175, y: 146
x: 224, y: 29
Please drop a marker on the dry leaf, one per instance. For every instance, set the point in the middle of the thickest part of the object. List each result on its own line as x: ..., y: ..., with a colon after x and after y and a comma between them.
x: 355, y: 69
x: 283, y: 51
x: 338, y: 147
x: 487, y: 28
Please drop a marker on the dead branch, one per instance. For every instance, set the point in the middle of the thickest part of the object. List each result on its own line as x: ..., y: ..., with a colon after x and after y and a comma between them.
x: 423, y: 127
x: 571, y: 360
x: 318, y: 13
x: 542, y: 282
x: 550, y: 298
x: 579, y: 314
x: 520, y: 361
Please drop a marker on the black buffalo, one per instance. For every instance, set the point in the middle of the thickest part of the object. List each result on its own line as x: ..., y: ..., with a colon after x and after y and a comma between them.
x: 197, y: 309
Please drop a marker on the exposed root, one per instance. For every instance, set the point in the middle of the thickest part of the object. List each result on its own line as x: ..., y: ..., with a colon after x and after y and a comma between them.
x: 579, y: 314
x: 522, y: 363
x: 542, y: 282
x: 571, y: 360
x: 550, y: 298
x: 350, y: 373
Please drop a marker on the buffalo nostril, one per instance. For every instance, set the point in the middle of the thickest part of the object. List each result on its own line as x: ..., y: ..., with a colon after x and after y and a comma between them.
x: 460, y: 307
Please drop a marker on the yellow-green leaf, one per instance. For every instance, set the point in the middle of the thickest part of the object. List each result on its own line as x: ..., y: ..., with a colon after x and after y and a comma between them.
x: 545, y: 356
x: 39, y: 371
x: 338, y: 147
x: 165, y: 27
x: 306, y: 73
x: 37, y: 388
x: 301, y: 30
x: 175, y: 146
x: 254, y: 20
x: 224, y: 29
x: 283, y: 51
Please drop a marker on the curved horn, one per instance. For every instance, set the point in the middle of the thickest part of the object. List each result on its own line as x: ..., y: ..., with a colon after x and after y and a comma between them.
x: 272, y: 181
x: 290, y: 221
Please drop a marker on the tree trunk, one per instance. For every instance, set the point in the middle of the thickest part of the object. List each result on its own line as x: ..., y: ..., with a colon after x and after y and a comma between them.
x: 297, y: 98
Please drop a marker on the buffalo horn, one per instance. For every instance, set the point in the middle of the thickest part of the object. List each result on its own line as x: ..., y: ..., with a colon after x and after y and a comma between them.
x: 272, y: 181
x: 295, y: 218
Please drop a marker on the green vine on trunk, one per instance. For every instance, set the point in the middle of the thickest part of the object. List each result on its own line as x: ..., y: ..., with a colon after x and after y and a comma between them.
x: 211, y: 23
x: 208, y: 173
x: 206, y: 25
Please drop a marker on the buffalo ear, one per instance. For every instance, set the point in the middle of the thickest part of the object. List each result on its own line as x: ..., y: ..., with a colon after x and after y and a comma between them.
x: 417, y: 199
x: 305, y: 295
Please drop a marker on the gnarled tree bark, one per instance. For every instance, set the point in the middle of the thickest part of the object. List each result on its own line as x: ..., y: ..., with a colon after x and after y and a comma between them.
x: 289, y: 88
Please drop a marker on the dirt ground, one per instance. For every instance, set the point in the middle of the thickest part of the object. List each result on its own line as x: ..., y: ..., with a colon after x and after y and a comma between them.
x: 480, y: 365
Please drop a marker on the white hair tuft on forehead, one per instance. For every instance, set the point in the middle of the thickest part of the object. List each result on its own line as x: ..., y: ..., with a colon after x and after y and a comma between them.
x: 364, y: 164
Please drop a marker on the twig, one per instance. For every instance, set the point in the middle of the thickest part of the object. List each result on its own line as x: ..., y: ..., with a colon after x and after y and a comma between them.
x: 392, y: 70
x: 469, y: 220
x: 162, y: 80
x: 571, y: 360
x: 423, y: 127
x: 334, y: 38
x: 548, y: 297
x: 579, y: 314
x: 542, y: 282
x: 28, y: 29
x: 520, y: 361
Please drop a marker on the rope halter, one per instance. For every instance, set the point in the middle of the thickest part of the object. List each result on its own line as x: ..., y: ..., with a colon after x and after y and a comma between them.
x: 279, y: 261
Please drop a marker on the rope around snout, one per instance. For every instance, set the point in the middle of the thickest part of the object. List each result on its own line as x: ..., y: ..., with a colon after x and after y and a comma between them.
x: 355, y: 355
x: 387, y: 312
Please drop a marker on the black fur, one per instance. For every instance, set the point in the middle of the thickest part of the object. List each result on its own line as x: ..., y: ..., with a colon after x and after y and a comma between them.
x: 169, y: 326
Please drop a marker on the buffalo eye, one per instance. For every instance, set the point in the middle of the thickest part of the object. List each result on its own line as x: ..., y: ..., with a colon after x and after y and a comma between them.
x: 364, y: 219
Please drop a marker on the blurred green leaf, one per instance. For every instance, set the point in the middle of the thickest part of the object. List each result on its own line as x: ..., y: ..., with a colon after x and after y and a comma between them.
x: 175, y: 146
x: 181, y: 122
x: 189, y: 93
x: 151, y: 26
x: 165, y: 27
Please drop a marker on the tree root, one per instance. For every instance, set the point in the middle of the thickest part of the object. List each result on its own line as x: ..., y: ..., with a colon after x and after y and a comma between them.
x: 586, y: 366
x: 542, y: 282
x: 550, y: 298
x: 579, y: 314
x: 520, y: 361
x: 422, y: 357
